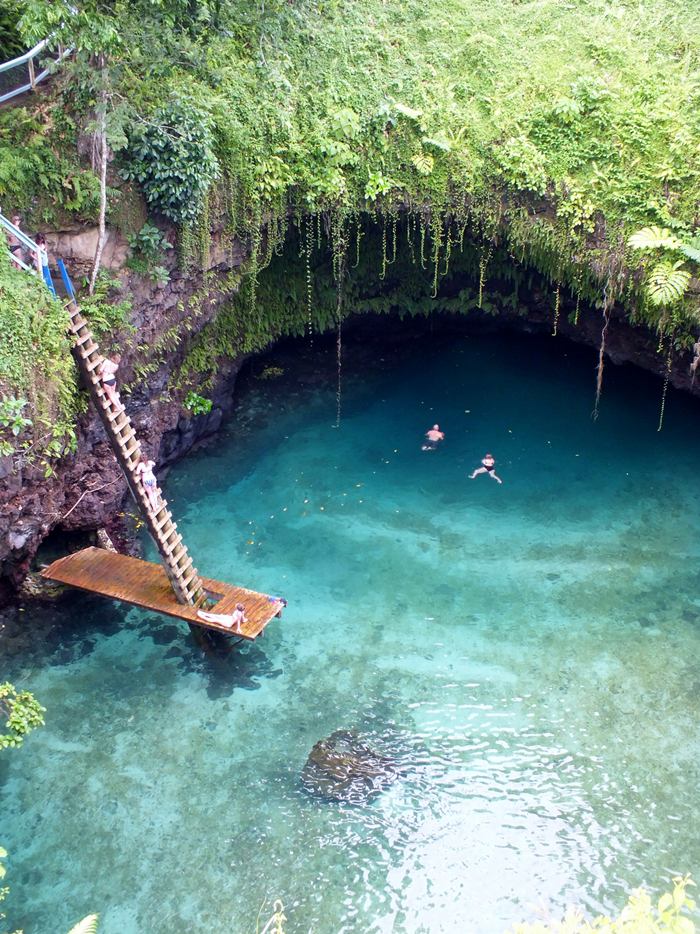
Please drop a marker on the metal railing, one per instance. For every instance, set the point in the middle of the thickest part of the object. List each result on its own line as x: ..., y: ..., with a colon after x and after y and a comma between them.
x: 22, y: 74
x: 27, y: 254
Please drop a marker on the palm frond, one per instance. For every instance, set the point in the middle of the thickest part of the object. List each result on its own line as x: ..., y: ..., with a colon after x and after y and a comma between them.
x: 86, y: 926
x: 654, y: 238
x: 667, y: 283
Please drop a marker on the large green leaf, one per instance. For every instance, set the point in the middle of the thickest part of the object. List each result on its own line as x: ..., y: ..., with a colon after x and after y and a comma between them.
x: 691, y: 249
x: 654, y: 238
x: 667, y: 283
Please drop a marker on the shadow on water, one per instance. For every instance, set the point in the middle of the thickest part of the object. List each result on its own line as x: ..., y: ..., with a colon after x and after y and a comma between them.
x: 225, y: 663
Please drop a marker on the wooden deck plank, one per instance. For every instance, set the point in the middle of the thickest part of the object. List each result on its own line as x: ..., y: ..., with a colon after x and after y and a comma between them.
x: 145, y: 584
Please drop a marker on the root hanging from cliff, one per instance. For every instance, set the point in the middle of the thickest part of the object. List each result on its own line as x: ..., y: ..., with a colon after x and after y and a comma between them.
x: 601, y: 353
x: 667, y: 377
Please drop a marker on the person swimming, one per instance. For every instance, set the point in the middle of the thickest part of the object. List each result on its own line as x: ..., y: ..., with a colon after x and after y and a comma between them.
x: 488, y: 465
x: 433, y: 437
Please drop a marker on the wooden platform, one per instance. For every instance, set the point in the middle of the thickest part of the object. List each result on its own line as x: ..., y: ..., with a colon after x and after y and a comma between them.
x: 145, y: 584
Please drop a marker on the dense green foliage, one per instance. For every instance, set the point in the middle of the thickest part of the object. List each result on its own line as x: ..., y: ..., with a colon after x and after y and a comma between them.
x: 22, y: 713
x: 247, y: 116
x: 35, y: 368
x: 39, y: 173
x: 173, y: 160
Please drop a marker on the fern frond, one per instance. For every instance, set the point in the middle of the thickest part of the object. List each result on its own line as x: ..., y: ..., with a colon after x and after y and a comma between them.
x: 423, y: 162
x: 691, y: 249
x: 667, y: 283
x: 654, y: 238
x: 86, y: 926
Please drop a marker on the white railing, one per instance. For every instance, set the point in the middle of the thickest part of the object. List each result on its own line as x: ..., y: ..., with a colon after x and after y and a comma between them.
x: 33, y: 72
x: 29, y: 248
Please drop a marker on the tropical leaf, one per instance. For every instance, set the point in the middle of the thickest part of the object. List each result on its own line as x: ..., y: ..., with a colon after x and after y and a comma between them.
x: 423, y: 162
x: 439, y: 142
x: 86, y: 926
x: 654, y: 238
x: 691, y: 249
x: 667, y: 283
x: 407, y: 112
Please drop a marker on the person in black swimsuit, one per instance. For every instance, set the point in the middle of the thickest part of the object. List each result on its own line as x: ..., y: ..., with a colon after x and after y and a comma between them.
x: 488, y: 463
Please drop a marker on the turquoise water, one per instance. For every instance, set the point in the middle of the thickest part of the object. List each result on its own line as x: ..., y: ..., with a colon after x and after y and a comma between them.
x: 526, y: 653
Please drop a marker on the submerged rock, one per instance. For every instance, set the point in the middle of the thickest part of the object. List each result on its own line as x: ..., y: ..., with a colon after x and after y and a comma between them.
x: 342, y: 768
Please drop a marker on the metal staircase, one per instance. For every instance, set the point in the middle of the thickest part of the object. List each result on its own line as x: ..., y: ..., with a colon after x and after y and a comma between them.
x: 178, y: 563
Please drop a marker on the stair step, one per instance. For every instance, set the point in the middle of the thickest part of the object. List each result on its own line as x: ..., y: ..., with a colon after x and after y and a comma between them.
x: 83, y: 339
x: 135, y: 448
x: 93, y: 364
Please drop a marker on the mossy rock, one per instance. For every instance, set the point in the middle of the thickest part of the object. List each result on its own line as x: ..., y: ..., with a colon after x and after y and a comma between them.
x: 343, y: 768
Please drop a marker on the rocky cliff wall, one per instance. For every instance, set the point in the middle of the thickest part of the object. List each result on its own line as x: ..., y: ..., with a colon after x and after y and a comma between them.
x: 88, y: 490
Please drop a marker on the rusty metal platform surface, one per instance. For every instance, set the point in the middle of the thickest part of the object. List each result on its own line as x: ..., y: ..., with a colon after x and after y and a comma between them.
x: 145, y: 584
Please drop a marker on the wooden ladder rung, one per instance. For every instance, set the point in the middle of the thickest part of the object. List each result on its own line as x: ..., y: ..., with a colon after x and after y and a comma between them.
x: 159, y: 525
x: 93, y: 366
x: 173, y: 527
x: 178, y: 553
x: 133, y: 449
x: 79, y: 341
x: 169, y: 549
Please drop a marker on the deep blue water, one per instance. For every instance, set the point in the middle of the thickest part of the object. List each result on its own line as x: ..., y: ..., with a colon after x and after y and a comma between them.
x: 526, y: 653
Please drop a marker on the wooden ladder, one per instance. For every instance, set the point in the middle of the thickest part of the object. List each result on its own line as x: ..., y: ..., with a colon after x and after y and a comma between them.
x: 178, y: 563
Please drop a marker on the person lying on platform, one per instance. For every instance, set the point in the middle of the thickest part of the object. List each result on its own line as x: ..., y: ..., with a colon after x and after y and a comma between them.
x: 226, y: 619
x: 433, y: 437
x: 488, y: 463
x: 107, y: 371
x: 144, y: 472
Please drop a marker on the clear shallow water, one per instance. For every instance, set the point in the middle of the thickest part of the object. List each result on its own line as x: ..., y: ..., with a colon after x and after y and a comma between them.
x: 527, y: 653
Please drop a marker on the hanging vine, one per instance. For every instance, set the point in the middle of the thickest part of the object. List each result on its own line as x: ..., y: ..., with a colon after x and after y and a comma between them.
x: 448, y: 249
x: 483, y: 263
x: 382, y: 274
x: 667, y: 377
x: 308, y: 247
x: 437, y: 245
x: 557, y: 301
x: 422, y: 242
x: 607, y: 304
x: 358, y: 237
x: 339, y: 244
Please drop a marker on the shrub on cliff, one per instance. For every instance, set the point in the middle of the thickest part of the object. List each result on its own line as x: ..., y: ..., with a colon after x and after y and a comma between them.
x: 172, y: 157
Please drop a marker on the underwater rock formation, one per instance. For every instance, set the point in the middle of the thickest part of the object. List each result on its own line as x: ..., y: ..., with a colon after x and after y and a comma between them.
x: 342, y: 768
